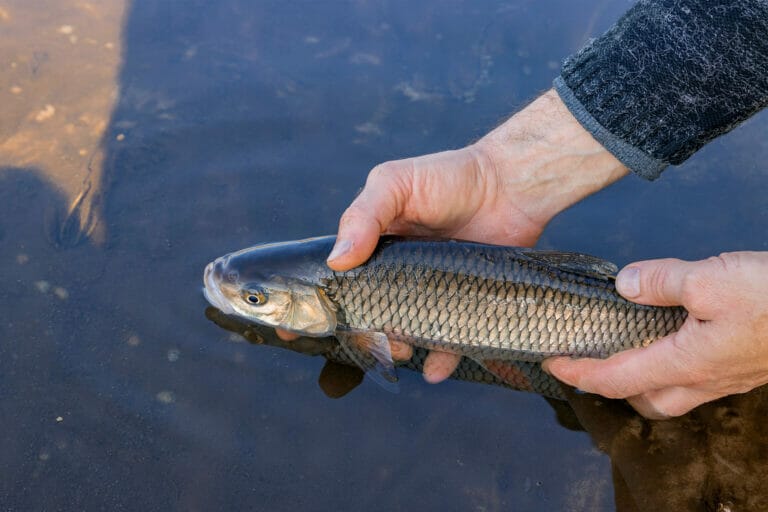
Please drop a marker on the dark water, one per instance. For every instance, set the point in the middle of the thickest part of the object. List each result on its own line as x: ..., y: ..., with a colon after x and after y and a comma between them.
x: 241, y: 122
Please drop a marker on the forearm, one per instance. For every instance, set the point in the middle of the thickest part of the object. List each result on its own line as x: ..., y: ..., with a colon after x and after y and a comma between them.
x: 670, y: 76
x: 546, y: 161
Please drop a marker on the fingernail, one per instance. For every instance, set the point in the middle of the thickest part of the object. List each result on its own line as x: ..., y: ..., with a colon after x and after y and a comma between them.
x: 341, y: 248
x: 628, y: 282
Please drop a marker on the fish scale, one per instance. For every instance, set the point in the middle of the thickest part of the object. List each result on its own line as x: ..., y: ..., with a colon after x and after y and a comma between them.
x: 492, y: 302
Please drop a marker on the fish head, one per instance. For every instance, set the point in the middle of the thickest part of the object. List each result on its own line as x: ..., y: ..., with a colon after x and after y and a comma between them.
x: 261, y: 285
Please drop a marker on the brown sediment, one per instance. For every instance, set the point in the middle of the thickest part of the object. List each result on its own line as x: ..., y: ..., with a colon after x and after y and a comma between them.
x: 58, y: 86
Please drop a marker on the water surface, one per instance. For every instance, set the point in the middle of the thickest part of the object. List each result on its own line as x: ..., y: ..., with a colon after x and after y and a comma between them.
x: 232, y: 123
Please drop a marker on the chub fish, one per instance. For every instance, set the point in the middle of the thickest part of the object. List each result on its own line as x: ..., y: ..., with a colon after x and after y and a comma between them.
x: 493, y: 304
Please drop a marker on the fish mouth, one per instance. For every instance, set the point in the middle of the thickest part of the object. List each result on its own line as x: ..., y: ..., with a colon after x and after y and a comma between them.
x: 212, y: 291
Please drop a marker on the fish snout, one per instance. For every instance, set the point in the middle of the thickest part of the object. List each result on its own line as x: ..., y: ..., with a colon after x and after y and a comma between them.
x: 212, y: 279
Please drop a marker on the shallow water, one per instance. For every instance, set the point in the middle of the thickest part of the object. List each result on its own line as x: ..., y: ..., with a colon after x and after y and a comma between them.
x: 234, y: 123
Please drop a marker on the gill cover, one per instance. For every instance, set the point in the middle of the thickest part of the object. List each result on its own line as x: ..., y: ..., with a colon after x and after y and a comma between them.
x: 308, y: 311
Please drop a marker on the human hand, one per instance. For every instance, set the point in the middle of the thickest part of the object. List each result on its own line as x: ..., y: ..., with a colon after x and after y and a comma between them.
x: 721, y: 349
x: 504, y: 189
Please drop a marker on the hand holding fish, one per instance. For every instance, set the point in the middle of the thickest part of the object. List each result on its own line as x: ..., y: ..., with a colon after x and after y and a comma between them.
x: 721, y: 349
x: 504, y: 189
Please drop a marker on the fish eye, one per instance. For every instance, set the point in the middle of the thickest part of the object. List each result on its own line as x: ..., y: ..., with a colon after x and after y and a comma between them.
x: 255, y: 297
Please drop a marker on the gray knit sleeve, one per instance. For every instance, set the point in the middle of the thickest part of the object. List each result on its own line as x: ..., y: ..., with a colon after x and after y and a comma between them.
x: 668, y: 77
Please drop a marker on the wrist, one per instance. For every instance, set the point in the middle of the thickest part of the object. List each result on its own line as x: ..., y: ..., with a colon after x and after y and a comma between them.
x: 545, y: 161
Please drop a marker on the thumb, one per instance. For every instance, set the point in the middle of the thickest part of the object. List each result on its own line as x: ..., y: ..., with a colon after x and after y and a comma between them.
x: 654, y: 282
x: 380, y: 202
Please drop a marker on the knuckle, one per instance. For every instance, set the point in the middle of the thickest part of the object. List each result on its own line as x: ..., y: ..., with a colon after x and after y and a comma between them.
x: 695, y: 288
x: 385, y: 170
x: 354, y: 212
x: 659, y: 276
x: 705, y: 283
x: 483, y: 158
x: 393, y: 178
x: 727, y: 261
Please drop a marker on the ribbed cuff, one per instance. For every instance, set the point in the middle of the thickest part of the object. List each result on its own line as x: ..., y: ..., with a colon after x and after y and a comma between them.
x: 635, y: 159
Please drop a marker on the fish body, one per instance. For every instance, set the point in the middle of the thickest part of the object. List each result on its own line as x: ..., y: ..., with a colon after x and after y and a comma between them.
x: 486, y: 302
x: 528, y: 376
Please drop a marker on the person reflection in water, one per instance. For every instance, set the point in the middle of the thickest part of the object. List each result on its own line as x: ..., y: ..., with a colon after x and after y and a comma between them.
x: 666, y: 79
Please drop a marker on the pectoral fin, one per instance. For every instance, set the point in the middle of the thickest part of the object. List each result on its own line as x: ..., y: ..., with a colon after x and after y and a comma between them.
x: 370, y: 351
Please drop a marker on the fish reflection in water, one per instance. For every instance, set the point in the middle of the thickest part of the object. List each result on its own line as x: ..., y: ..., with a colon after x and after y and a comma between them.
x: 712, y: 459
x: 342, y: 372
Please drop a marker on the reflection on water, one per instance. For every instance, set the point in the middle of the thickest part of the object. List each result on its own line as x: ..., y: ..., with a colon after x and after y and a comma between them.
x: 237, y: 123
x: 710, y: 459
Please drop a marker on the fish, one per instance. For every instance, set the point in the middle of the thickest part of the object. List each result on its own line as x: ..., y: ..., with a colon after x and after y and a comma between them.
x: 336, y: 382
x: 490, y: 303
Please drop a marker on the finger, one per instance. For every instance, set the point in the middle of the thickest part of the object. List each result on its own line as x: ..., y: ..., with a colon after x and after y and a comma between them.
x: 380, y: 202
x: 438, y: 366
x: 400, y: 351
x: 631, y: 372
x: 286, y: 335
x: 670, y: 402
x: 654, y: 282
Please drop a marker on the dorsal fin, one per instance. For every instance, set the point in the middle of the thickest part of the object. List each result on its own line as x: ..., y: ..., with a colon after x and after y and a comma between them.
x: 575, y: 262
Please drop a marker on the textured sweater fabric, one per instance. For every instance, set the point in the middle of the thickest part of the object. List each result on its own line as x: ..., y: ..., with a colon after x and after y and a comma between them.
x: 668, y: 77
